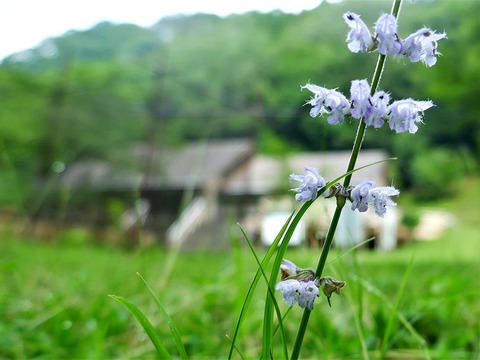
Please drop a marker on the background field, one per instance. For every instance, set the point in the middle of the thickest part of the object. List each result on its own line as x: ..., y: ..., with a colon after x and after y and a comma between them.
x: 54, y: 303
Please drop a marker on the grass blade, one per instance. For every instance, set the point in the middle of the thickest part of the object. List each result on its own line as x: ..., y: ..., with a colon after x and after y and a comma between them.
x: 375, y: 291
x: 254, y: 283
x: 270, y: 292
x: 147, y: 326
x: 173, y: 329
x: 268, y: 314
x: 391, y: 318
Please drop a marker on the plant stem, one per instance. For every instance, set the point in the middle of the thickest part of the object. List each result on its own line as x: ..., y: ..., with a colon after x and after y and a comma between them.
x: 377, y: 74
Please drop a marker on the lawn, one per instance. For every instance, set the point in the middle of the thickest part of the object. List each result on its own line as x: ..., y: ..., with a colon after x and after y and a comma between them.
x: 54, y: 298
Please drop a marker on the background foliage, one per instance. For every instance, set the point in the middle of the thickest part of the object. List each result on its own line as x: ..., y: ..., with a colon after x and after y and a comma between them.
x: 93, y: 93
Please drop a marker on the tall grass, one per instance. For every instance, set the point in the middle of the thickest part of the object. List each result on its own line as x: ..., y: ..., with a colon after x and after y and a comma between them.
x: 54, y: 303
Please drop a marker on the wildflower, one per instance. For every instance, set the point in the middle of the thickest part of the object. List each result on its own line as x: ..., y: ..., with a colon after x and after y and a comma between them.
x: 386, y: 34
x: 422, y: 45
x: 298, y: 285
x: 294, y: 291
x: 338, y: 106
x: 380, y: 197
x: 359, y: 38
x: 308, y: 293
x: 330, y: 285
x: 365, y: 194
x: 359, y: 195
x: 318, y: 100
x: 311, y: 182
x: 360, y: 98
x: 404, y: 114
x: 326, y: 101
x: 290, y: 290
x: 378, y: 109
x: 291, y: 271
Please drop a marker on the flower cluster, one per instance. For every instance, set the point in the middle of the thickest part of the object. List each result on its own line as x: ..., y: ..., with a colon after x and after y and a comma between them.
x: 361, y: 196
x: 311, y: 182
x: 365, y: 194
x: 375, y: 110
x: 419, y: 46
x: 302, y: 287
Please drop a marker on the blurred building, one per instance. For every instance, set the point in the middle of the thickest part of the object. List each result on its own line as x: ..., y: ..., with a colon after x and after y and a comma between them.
x: 197, y: 193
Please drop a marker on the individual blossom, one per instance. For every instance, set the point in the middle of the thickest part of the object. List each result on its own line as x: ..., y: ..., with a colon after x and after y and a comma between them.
x: 330, y: 285
x: 326, y: 101
x: 360, y: 99
x: 359, y: 38
x: 404, y: 114
x: 318, y: 99
x: 387, y: 36
x: 290, y: 290
x: 291, y: 271
x: 380, y: 198
x: 308, y: 293
x: 422, y: 45
x: 378, y: 109
x: 311, y: 182
x: 359, y: 195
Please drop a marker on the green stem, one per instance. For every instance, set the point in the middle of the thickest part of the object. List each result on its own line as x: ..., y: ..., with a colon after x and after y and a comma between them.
x: 341, y: 201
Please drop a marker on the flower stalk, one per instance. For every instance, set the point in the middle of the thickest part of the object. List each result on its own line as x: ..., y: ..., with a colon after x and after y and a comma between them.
x: 341, y: 200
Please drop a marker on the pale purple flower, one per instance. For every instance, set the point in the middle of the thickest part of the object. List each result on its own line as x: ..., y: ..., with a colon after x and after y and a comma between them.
x: 365, y: 194
x: 378, y: 109
x: 308, y: 293
x: 326, y: 101
x: 380, y: 198
x: 318, y: 99
x: 303, y: 292
x: 359, y: 38
x: 311, y: 182
x: 290, y: 290
x: 422, y: 45
x: 360, y: 195
x: 387, y: 36
x: 404, y: 114
x: 337, y: 106
x: 360, y: 98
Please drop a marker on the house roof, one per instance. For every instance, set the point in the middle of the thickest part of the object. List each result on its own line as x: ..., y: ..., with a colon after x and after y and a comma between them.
x: 266, y: 174
x: 194, y: 165
x: 227, y: 166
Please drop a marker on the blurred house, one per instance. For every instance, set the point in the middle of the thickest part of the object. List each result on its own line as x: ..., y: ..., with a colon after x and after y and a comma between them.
x: 196, y: 194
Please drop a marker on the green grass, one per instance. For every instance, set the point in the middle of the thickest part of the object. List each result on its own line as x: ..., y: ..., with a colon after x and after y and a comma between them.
x: 54, y: 299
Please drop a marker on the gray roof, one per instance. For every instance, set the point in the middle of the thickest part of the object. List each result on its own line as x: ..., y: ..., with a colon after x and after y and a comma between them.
x: 228, y: 166
x: 266, y: 174
x: 194, y: 165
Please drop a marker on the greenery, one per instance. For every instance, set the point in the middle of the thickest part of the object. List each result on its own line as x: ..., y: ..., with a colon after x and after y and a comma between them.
x: 54, y: 303
x: 92, y: 94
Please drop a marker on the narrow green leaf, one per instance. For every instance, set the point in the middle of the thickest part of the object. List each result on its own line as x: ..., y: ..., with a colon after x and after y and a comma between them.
x: 173, y: 329
x: 147, y: 326
x: 389, y: 327
x: 268, y: 313
x: 375, y: 291
x: 254, y: 283
x: 270, y: 291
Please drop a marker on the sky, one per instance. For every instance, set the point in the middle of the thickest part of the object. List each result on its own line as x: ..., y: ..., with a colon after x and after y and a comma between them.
x: 26, y: 23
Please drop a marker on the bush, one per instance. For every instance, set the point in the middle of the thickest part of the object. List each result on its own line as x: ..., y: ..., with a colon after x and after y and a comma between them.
x: 435, y: 173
